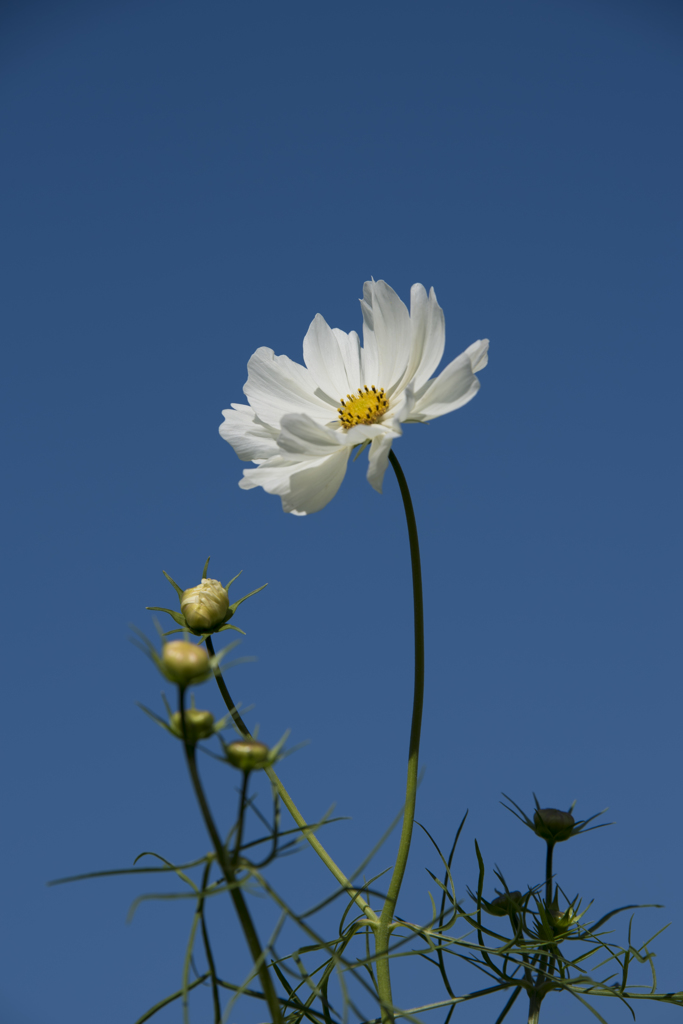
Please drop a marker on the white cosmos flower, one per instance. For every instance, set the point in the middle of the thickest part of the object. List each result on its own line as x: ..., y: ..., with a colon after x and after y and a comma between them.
x: 302, y: 422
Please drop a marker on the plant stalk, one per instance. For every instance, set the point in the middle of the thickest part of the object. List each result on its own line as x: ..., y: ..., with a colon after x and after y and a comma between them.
x: 534, y: 1007
x: 382, y: 933
x: 226, y: 866
x: 549, y: 874
x: 207, y: 948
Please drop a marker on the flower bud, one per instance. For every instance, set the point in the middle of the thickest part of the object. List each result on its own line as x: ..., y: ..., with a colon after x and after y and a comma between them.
x: 184, y: 662
x: 507, y: 903
x: 198, y: 724
x: 247, y: 754
x: 552, y: 825
x: 205, y: 607
x: 562, y: 921
x: 555, y: 924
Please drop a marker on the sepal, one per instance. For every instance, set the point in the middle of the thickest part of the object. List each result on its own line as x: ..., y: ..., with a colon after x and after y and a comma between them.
x: 551, y: 824
x: 206, y: 608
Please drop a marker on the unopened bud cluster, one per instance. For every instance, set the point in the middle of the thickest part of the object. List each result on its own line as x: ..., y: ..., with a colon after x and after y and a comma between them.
x: 206, y: 606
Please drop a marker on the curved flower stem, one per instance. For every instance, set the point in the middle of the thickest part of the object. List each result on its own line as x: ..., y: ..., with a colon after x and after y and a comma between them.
x: 306, y: 829
x: 224, y: 860
x: 386, y: 918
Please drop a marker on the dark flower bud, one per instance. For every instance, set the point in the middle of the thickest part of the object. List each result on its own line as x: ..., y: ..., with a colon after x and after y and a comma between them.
x: 507, y: 903
x: 552, y: 825
x: 205, y: 606
x: 247, y: 754
x: 184, y: 662
x: 198, y: 724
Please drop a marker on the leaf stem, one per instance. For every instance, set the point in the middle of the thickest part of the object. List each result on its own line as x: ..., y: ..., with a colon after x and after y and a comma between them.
x: 387, y: 915
x: 224, y: 860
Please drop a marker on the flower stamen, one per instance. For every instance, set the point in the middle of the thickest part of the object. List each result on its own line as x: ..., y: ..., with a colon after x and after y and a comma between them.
x: 367, y: 407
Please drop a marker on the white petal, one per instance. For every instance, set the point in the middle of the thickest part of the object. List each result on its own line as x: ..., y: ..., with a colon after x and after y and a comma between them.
x: 276, y: 385
x: 369, y: 357
x: 349, y: 345
x: 305, y: 486
x: 300, y: 435
x: 312, y: 487
x: 430, y: 333
x: 455, y: 386
x: 428, y: 338
x: 386, y: 328
x: 250, y: 438
x: 324, y: 357
x: 479, y: 354
x: 378, y: 459
x: 401, y: 409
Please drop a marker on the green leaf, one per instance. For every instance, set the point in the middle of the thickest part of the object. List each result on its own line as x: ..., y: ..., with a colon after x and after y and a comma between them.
x: 176, y: 616
x: 274, y: 751
x: 508, y: 1006
x: 156, y: 718
x: 206, y: 566
x: 179, y: 896
x: 236, y: 605
x: 123, y: 871
x: 227, y: 586
x: 588, y: 1006
x: 629, y: 906
x: 169, y: 999
x: 179, y: 590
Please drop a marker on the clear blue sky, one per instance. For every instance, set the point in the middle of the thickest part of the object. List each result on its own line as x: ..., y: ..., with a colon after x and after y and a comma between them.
x: 183, y: 182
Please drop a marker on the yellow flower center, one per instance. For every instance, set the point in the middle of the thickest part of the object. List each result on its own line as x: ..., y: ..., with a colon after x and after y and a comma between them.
x: 367, y: 407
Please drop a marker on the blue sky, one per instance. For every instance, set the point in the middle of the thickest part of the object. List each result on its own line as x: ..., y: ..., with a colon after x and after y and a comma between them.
x: 185, y: 182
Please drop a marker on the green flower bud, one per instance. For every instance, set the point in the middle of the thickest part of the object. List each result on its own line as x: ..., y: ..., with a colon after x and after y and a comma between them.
x: 552, y: 825
x: 247, y: 754
x: 205, y: 607
x: 507, y: 903
x: 184, y: 662
x: 556, y: 924
x: 563, y: 921
x: 198, y: 724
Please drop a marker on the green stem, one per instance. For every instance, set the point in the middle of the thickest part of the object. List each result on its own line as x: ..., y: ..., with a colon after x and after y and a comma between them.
x: 387, y: 916
x: 240, y: 820
x: 298, y: 817
x: 207, y: 948
x: 229, y: 702
x: 534, y: 1007
x: 549, y: 875
x: 227, y: 868
x: 548, y: 964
